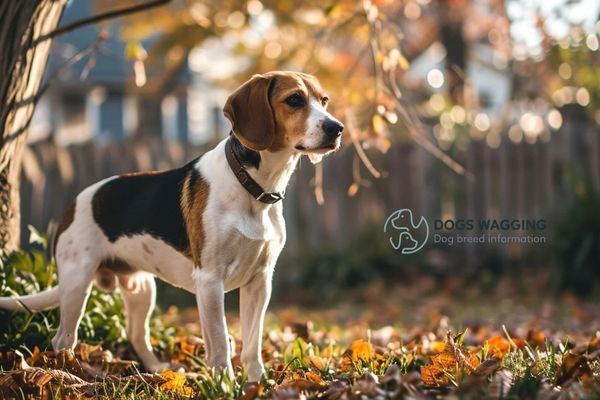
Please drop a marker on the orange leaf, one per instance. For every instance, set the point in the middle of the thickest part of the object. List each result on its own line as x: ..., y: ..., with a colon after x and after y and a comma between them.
x: 432, y: 375
x: 536, y: 339
x: 35, y: 355
x: 499, y: 346
x: 445, y: 361
x: 314, y: 377
x: 520, y: 343
x: 361, y: 350
x: 450, y: 362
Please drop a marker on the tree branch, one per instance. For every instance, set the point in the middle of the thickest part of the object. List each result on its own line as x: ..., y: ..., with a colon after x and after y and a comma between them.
x: 100, y: 17
x: 55, y: 75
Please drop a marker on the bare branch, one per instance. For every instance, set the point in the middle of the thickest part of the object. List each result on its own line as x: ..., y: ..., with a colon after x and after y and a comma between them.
x: 100, y: 17
x: 62, y: 69
x: 319, y: 184
x: 357, y: 146
x: 57, y: 74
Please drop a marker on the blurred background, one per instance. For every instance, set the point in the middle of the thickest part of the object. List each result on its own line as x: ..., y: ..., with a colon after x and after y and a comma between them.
x: 455, y: 109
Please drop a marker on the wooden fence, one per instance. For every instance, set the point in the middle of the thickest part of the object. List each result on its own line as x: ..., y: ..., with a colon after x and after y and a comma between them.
x: 512, y: 181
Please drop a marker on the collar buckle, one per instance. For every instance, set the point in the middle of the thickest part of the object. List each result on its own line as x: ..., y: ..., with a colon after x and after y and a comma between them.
x: 270, y: 198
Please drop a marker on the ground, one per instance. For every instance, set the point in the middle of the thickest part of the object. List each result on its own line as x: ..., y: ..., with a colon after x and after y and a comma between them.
x: 420, y: 340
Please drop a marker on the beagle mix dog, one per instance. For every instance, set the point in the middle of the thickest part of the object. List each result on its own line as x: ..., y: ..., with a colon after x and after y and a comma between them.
x: 211, y: 226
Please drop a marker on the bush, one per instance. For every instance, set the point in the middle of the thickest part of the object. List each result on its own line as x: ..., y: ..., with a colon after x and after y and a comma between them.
x: 576, y: 240
x: 28, y: 272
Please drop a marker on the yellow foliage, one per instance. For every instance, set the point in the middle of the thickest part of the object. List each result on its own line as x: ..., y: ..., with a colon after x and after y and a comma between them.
x: 361, y: 350
x: 175, y: 382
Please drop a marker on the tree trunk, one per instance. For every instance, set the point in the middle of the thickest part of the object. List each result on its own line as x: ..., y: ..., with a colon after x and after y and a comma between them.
x: 22, y: 64
x: 451, y: 36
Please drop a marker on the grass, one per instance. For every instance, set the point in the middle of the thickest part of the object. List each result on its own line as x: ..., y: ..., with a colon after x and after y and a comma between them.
x: 303, y: 360
x: 379, y: 341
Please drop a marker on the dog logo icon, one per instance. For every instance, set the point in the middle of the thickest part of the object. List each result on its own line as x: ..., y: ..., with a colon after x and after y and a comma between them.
x: 405, y: 235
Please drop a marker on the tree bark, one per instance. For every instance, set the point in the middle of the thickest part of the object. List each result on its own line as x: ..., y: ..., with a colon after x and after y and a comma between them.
x: 22, y: 64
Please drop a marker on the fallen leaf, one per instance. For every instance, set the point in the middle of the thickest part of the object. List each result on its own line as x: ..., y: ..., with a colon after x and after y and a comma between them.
x: 392, y: 376
x: 336, y: 390
x: 314, y: 377
x: 367, y: 385
x: 175, y: 382
x: 488, y: 367
x: 574, y: 366
x: 433, y: 375
x: 361, y: 350
x: 536, y: 339
x: 300, y: 385
x: 499, y: 346
x: 448, y: 363
x: 252, y: 391
x: 317, y: 362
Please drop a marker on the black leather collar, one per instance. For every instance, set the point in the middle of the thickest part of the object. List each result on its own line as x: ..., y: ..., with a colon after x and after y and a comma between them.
x: 246, y: 180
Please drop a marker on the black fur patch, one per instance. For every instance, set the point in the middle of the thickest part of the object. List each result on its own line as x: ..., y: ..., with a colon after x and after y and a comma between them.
x: 247, y: 157
x: 144, y: 203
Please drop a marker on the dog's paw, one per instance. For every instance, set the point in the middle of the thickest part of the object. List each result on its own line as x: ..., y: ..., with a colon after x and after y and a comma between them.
x: 256, y: 371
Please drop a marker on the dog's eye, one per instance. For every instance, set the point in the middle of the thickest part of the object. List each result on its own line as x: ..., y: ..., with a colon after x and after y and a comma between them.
x: 324, y: 100
x: 295, y: 101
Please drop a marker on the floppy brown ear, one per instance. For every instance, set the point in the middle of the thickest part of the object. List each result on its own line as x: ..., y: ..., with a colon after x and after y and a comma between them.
x: 251, y: 114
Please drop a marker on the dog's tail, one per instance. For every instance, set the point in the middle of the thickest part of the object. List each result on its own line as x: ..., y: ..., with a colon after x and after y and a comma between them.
x: 34, y: 302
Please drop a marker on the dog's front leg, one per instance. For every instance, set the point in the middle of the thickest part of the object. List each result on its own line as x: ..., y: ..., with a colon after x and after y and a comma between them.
x: 210, y: 295
x: 254, y: 298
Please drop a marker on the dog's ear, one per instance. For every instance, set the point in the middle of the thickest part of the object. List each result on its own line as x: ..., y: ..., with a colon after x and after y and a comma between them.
x: 251, y: 115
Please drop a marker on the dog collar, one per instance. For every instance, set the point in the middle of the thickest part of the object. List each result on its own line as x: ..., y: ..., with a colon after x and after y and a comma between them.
x: 246, y: 180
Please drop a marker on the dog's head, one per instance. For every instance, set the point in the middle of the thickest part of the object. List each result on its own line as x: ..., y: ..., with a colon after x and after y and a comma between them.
x: 284, y: 110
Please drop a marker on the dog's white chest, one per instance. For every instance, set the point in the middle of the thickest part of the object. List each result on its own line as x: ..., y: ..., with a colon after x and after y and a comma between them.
x: 241, y: 245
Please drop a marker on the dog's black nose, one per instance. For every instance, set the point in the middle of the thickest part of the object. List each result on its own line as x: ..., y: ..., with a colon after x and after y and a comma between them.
x: 332, y: 128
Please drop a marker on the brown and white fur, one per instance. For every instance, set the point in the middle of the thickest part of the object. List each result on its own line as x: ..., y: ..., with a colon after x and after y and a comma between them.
x: 195, y: 227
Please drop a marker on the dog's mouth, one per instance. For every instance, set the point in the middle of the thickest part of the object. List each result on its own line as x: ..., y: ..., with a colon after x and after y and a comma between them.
x: 323, y: 148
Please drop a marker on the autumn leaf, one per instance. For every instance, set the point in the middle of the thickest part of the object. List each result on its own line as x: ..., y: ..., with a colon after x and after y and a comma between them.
x: 175, y: 382
x: 358, y: 352
x: 536, y: 339
x: 35, y: 356
x: 317, y: 362
x: 433, y: 375
x: 449, y: 363
x: 361, y: 350
x: 498, y: 346
x: 252, y: 391
x: 314, y: 377
x: 300, y: 384
x: 437, y: 346
x: 574, y: 366
x: 488, y: 367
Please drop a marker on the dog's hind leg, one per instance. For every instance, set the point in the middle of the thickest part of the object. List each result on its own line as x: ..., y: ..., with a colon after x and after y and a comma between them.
x: 139, y: 300
x: 75, y: 282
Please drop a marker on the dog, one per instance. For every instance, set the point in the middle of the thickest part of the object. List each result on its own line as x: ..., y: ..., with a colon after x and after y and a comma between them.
x: 211, y: 226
